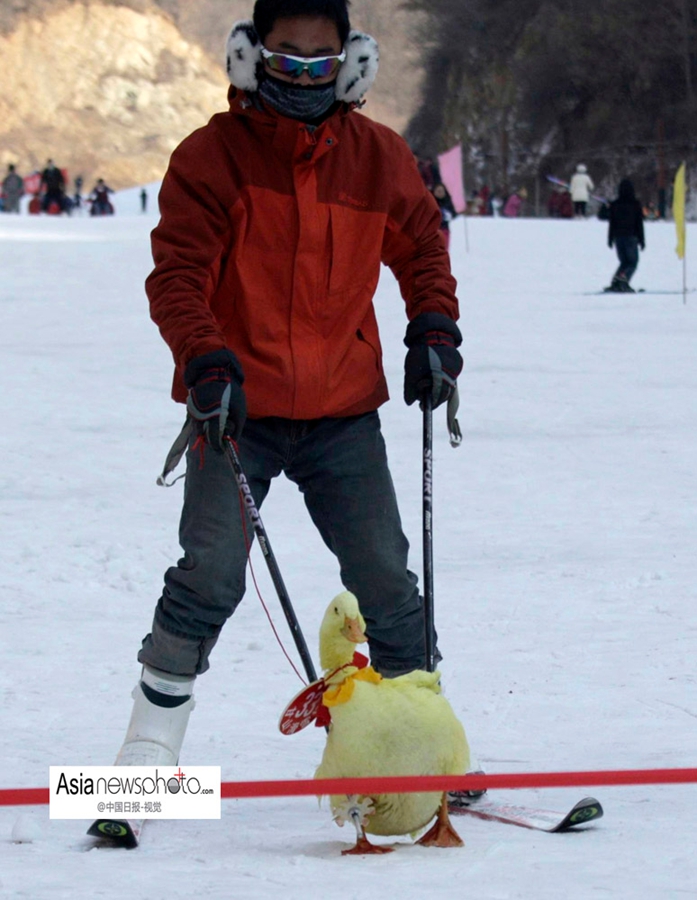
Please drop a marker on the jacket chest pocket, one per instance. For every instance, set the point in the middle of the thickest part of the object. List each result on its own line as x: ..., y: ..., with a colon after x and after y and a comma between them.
x: 354, y: 244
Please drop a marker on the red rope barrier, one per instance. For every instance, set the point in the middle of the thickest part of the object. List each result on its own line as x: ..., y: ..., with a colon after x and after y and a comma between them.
x: 23, y: 796
x: 410, y: 784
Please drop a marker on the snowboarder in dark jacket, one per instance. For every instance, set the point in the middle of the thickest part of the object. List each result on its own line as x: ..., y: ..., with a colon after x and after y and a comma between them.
x: 626, y: 232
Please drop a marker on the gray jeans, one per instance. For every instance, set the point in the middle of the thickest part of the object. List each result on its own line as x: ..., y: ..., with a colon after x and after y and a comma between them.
x: 340, y: 466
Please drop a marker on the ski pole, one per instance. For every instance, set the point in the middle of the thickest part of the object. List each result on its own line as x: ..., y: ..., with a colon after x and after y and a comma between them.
x: 274, y: 571
x: 427, y: 406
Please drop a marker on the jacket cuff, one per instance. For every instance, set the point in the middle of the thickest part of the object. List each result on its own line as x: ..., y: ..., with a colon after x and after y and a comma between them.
x: 431, y: 321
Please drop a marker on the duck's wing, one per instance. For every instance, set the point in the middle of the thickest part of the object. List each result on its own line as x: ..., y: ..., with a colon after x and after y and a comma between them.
x: 418, y: 679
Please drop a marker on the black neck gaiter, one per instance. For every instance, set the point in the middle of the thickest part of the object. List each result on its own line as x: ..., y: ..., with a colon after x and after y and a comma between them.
x: 307, y: 103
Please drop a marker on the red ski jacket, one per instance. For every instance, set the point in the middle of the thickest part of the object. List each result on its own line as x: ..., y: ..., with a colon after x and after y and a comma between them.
x: 270, y: 243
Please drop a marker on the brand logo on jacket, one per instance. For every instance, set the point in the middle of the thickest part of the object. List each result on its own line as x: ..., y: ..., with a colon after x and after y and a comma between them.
x: 352, y: 201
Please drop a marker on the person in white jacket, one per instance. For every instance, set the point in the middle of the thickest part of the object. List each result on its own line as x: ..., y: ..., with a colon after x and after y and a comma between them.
x: 581, y: 186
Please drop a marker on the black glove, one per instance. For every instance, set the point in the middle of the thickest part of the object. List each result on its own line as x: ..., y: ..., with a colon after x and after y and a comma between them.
x: 433, y: 362
x: 216, y: 399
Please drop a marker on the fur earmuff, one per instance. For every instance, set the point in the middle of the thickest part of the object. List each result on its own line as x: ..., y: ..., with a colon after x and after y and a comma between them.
x: 356, y: 75
x: 358, y: 70
x: 243, y: 56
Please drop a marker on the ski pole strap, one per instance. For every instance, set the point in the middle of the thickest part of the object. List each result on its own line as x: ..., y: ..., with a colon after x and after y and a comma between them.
x: 177, y: 450
x: 453, y: 425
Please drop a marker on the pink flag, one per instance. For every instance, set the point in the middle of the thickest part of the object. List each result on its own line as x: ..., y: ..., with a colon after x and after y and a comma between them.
x: 451, y: 173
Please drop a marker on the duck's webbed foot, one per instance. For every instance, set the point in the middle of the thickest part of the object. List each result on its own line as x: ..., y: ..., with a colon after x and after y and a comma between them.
x: 356, y: 810
x: 442, y: 833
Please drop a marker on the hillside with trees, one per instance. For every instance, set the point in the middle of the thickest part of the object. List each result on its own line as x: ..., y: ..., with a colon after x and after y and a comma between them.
x: 109, y: 87
x: 533, y: 87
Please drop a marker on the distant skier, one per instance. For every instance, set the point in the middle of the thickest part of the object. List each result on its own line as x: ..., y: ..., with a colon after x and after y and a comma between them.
x: 447, y: 211
x: 77, y: 197
x: 53, y: 187
x: 429, y: 171
x: 559, y: 205
x: 485, y: 201
x: 143, y: 201
x: 12, y: 190
x: 514, y: 204
x: 581, y: 186
x: 99, y: 199
x: 626, y: 232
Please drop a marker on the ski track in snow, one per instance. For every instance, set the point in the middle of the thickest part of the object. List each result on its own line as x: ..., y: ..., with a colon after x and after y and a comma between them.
x: 565, y: 532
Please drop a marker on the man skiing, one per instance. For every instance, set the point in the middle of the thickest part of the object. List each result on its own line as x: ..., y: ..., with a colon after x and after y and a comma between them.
x: 626, y: 233
x: 275, y: 219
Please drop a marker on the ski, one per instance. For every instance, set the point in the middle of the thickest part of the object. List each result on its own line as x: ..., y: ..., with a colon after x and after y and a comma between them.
x: 585, y: 811
x: 606, y: 291
x: 126, y: 833
x: 665, y: 293
x: 117, y: 832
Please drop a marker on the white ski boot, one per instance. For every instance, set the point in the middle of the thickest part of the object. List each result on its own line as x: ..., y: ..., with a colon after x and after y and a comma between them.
x: 161, y: 710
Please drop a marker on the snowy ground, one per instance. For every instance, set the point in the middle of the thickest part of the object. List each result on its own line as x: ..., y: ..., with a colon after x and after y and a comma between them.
x: 565, y: 571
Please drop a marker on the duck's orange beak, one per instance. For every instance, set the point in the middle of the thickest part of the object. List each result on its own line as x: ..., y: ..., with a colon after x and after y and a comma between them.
x: 353, y: 632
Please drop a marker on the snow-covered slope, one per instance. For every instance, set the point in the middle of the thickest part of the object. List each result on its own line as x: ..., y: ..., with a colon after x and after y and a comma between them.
x: 565, y: 531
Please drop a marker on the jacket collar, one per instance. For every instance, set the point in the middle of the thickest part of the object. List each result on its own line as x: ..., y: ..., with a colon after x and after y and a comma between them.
x: 243, y: 103
x: 291, y: 138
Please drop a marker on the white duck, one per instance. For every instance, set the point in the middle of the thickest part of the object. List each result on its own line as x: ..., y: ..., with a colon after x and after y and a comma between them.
x: 386, y: 727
